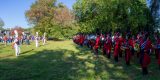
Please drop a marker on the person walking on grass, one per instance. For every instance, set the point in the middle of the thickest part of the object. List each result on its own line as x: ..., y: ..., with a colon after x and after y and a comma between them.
x: 145, y: 46
x: 36, y: 39
x: 16, y: 44
x: 44, y: 39
x: 97, y: 44
x: 5, y: 39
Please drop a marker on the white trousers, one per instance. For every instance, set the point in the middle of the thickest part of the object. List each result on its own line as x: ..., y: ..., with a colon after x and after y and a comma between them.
x: 17, y: 49
x: 36, y: 43
x: 44, y: 41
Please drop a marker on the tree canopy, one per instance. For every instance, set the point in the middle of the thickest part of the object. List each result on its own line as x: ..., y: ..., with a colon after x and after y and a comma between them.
x: 155, y: 11
x: 113, y: 14
x: 56, y: 20
x: 88, y: 15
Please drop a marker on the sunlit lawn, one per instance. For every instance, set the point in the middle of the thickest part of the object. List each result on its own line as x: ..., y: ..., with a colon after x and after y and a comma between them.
x: 63, y: 60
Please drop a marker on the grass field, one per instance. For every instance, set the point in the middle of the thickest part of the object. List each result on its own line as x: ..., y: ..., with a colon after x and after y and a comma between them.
x: 63, y: 60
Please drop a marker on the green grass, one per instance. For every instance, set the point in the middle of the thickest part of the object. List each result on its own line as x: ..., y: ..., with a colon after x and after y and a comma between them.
x: 63, y: 60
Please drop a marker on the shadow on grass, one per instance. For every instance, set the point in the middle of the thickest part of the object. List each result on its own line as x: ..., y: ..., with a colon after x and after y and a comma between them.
x: 107, y: 69
x: 27, y: 51
x: 65, y: 64
x: 44, y: 65
x: 2, y: 46
x: 55, y: 39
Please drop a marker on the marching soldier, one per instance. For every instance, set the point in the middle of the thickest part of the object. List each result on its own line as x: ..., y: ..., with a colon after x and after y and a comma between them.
x: 36, y: 39
x: 157, y: 49
x: 16, y: 44
x: 116, y: 47
x: 44, y: 39
x: 145, y: 47
x: 97, y: 44
x: 107, y: 46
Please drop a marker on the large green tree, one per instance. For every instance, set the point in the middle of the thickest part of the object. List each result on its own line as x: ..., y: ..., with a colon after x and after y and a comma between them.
x: 56, y: 20
x: 155, y: 11
x: 113, y: 14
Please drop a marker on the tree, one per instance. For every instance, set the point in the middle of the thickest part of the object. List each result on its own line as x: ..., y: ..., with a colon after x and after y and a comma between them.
x: 56, y: 20
x: 19, y: 30
x: 112, y: 14
x: 39, y: 10
x: 155, y: 9
x: 63, y: 16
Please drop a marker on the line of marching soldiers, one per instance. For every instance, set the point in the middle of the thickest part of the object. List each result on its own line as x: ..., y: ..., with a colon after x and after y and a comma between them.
x: 142, y: 45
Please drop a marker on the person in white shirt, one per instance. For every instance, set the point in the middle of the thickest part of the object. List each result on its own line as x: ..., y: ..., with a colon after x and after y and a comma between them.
x: 44, y: 39
x: 36, y: 39
x: 16, y: 43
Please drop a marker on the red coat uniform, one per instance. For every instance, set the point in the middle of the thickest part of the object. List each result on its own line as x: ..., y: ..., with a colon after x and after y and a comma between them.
x: 139, y: 41
x: 128, y: 55
x: 145, y: 58
x: 5, y: 38
x: 157, y: 51
x: 128, y: 45
x: 121, y: 40
x: 97, y: 42
x: 131, y: 43
x: 108, y: 45
x: 81, y: 39
x: 78, y: 39
x: 91, y: 43
x: 117, y: 47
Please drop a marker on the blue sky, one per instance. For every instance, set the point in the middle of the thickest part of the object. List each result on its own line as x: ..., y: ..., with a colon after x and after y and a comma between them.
x: 12, y: 11
x: 68, y: 3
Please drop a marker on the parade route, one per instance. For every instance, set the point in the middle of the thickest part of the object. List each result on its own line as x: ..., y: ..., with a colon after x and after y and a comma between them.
x: 64, y: 60
x: 80, y: 40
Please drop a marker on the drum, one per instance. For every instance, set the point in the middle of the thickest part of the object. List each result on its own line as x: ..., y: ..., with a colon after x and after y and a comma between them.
x: 136, y: 47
